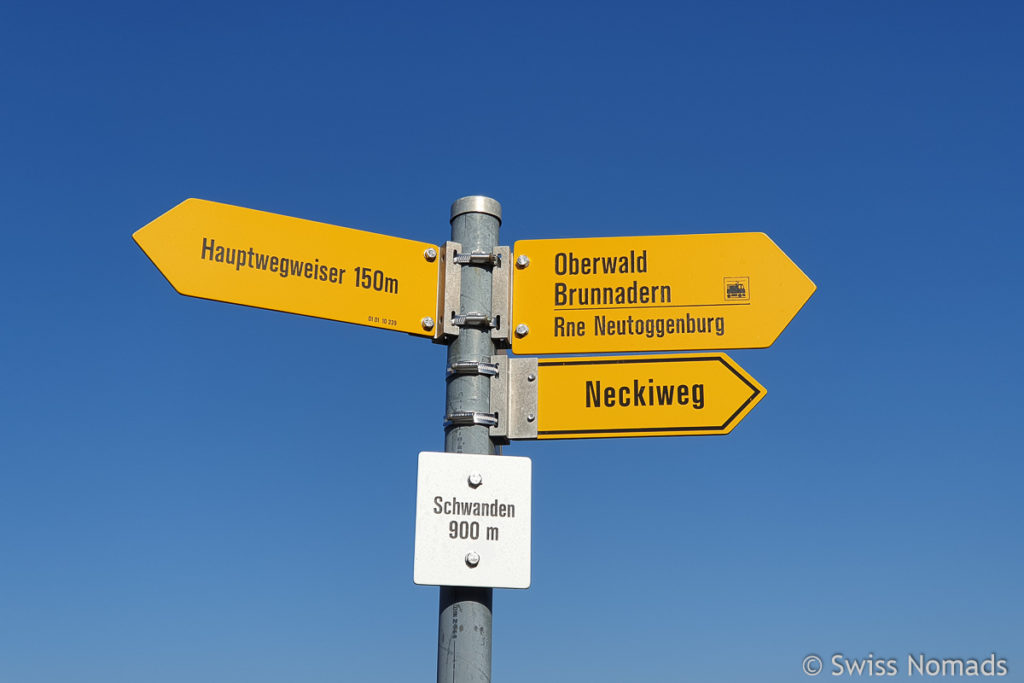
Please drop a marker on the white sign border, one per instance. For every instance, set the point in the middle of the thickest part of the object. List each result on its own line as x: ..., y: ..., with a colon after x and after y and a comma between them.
x: 504, y: 495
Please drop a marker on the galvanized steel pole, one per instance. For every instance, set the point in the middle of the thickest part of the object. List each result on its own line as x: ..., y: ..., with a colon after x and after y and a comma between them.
x: 464, y: 622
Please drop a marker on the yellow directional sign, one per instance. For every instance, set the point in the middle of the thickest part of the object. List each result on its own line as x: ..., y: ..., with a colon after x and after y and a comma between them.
x: 661, y: 293
x: 253, y: 258
x: 580, y: 398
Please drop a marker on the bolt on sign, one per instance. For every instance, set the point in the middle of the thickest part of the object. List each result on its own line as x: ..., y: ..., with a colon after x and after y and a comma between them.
x: 473, y: 521
x: 659, y: 293
x: 254, y: 258
x: 615, y: 396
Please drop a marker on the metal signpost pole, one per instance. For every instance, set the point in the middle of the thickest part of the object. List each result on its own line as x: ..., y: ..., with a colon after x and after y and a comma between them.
x: 464, y: 623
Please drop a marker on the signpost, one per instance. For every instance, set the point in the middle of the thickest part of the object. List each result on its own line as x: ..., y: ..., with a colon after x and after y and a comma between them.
x: 618, y: 294
x: 661, y: 293
x: 583, y: 398
x: 241, y: 256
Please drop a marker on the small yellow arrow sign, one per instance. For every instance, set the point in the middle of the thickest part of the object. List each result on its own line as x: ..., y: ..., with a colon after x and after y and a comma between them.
x: 253, y: 258
x: 580, y: 398
x: 661, y: 293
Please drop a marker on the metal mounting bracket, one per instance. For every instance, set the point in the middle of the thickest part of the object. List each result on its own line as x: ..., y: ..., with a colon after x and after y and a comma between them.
x: 514, y: 398
x: 450, y: 299
x: 501, y: 297
x: 450, y: 319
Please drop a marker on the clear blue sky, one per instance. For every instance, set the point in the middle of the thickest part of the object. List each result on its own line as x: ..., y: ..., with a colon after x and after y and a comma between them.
x: 194, y: 491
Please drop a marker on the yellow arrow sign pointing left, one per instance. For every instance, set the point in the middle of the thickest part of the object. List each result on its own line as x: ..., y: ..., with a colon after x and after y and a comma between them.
x: 253, y: 258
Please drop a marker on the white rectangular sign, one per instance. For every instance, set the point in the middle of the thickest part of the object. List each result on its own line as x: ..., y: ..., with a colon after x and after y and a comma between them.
x: 473, y: 520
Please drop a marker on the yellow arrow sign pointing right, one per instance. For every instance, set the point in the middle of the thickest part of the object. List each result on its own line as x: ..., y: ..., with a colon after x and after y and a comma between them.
x: 579, y: 398
x: 655, y: 293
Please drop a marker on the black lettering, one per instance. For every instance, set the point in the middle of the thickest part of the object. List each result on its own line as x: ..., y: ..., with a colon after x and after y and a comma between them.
x: 638, y: 394
x: 698, y: 396
x: 569, y: 328
x: 560, y: 294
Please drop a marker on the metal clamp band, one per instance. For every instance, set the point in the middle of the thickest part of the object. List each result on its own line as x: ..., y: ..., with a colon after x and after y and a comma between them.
x: 472, y: 367
x: 465, y: 418
x: 478, y: 258
x: 473, y: 320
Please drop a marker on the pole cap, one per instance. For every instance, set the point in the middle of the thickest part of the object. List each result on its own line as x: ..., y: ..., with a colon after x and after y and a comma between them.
x: 476, y: 204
